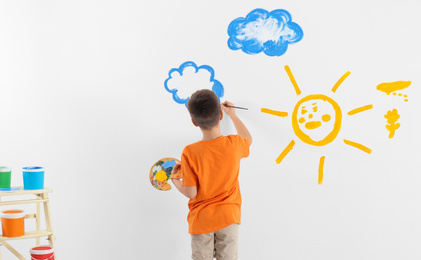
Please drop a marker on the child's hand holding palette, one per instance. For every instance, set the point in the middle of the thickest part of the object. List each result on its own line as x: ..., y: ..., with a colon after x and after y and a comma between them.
x: 161, y: 172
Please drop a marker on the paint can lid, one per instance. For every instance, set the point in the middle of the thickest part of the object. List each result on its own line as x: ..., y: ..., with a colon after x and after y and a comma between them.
x: 41, y: 250
x: 12, y: 213
x: 5, y: 169
x: 33, y: 169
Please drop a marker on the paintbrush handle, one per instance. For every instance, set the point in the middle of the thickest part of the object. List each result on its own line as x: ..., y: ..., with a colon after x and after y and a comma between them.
x: 238, y: 107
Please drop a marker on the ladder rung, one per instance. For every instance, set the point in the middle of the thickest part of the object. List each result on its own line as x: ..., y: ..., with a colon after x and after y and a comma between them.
x: 2, y: 203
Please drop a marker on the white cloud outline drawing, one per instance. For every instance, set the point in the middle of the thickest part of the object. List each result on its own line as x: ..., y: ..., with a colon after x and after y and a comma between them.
x: 217, y: 87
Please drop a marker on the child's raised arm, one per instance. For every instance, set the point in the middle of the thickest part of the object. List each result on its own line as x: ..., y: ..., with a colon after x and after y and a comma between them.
x: 239, y: 126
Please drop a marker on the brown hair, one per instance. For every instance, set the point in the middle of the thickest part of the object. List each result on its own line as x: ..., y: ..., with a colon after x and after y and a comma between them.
x: 204, y: 108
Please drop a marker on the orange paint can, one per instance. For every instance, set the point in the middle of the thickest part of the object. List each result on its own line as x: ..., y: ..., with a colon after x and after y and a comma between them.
x: 13, y: 222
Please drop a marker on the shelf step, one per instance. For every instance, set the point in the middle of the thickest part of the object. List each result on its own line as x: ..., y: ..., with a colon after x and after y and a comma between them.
x: 30, y: 234
x: 22, y: 202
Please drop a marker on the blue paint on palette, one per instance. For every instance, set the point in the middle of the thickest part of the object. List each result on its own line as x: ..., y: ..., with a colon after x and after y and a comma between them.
x: 263, y: 31
x: 181, y: 97
x: 169, y: 164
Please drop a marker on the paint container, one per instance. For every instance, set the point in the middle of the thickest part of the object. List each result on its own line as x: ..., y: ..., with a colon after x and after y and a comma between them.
x: 42, y: 252
x: 33, y: 178
x: 13, y: 222
x: 5, y: 176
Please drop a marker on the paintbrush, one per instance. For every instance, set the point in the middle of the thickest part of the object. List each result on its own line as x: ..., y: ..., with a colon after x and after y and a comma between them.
x: 238, y: 107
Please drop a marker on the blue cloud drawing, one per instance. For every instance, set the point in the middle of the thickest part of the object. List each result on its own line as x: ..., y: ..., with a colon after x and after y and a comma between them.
x: 270, y: 32
x: 190, y: 66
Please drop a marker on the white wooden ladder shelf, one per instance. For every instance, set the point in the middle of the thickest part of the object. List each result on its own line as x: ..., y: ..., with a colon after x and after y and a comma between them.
x: 41, y: 197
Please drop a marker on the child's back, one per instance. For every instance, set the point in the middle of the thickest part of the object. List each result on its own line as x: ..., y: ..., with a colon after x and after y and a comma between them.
x: 214, y: 167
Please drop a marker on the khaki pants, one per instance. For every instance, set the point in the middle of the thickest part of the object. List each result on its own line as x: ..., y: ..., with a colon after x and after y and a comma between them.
x: 222, y: 244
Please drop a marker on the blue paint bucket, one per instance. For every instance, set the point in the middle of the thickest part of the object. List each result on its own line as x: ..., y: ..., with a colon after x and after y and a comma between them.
x: 33, y: 178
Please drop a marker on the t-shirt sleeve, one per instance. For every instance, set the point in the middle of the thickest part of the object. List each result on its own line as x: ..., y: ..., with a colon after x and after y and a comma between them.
x: 189, y: 176
x: 243, y: 145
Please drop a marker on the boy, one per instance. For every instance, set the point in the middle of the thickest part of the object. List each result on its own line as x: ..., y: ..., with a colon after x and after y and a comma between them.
x: 210, y: 170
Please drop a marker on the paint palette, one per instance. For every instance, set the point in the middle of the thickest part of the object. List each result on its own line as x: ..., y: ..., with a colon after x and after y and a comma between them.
x: 161, y: 172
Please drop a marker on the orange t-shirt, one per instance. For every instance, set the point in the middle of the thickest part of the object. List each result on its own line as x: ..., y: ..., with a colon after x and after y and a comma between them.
x: 213, y: 166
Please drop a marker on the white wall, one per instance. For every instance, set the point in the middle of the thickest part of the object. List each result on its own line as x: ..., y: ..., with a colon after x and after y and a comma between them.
x: 82, y: 93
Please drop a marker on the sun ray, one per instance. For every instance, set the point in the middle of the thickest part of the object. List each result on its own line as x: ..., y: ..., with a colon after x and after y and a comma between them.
x: 322, y: 162
x: 340, y: 81
x: 285, y: 152
x: 274, y: 112
x: 291, y: 77
x: 357, y: 145
x: 360, y: 109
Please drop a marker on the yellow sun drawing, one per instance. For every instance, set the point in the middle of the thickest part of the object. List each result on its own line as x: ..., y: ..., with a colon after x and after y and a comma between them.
x: 316, y: 120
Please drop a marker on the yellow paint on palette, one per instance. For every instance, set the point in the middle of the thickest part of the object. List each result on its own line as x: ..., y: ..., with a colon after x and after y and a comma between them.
x: 161, y: 176
x: 321, y: 164
x: 292, y: 79
x: 360, y: 109
x: 274, y: 112
x: 393, y: 86
x: 359, y: 146
x: 340, y: 81
x: 285, y: 152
